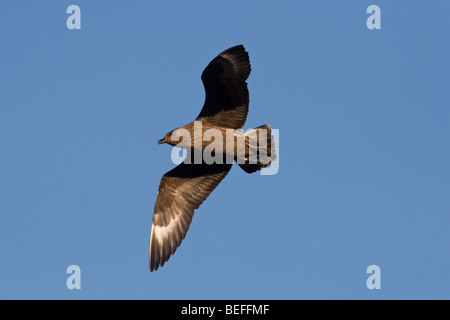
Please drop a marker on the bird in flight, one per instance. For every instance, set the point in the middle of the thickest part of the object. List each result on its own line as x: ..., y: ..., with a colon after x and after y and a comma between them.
x: 184, y: 188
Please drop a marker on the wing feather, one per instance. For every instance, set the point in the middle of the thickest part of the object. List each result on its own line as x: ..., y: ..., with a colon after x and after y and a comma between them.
x: 227, y: 98
x: 181, y: 191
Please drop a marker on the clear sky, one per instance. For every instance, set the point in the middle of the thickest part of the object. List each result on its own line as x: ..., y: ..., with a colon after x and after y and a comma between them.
x: 363, y: 176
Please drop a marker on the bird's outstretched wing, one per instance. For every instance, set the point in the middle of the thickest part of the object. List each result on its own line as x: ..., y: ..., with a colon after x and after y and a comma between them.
x: 181, y: 190
x: 227, y: 99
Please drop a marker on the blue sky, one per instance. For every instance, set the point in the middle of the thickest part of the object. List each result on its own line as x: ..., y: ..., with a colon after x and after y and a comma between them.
x: 363, y: 176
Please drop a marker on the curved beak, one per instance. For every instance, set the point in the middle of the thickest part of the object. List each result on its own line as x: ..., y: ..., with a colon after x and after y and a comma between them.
x: 161, y: 141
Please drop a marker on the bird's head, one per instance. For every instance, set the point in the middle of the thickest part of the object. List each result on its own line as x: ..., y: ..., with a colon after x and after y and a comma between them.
x: 174, y: 137
x: 166, y: 138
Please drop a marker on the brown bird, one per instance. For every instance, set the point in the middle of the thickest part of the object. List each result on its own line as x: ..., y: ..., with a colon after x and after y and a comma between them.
x: 184, y: 188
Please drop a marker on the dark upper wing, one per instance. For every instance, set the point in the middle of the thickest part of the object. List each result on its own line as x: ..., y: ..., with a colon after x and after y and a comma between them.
x: 227, y: 100
x: 181, y: 190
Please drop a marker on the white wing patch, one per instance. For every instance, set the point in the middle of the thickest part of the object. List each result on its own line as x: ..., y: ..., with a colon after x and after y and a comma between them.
x: 164, y: 233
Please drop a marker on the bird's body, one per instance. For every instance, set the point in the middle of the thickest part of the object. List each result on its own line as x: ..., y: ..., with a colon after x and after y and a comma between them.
x: 202, y: 136
x: 217, y: 137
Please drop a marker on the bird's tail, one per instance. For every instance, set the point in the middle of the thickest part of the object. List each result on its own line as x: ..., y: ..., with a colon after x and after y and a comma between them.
x: 259, y: 149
